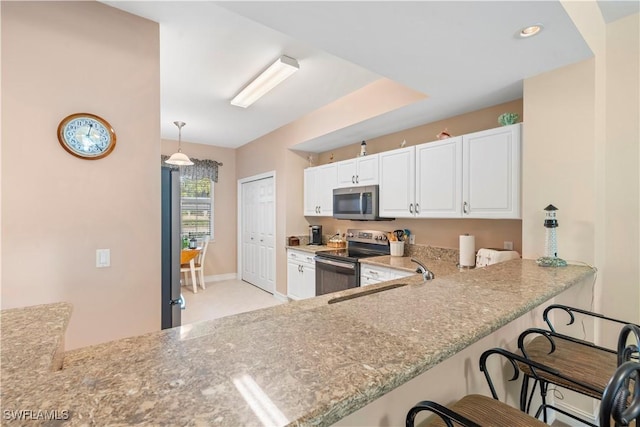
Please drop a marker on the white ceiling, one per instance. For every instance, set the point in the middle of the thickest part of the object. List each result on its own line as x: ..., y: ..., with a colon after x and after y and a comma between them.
x: 463, y: 55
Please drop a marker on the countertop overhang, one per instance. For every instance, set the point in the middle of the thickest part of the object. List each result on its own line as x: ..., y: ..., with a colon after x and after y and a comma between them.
x: 303, y: 363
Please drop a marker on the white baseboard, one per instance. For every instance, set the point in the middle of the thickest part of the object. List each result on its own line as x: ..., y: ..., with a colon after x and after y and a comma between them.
x: 574, y: 411
x: 280, y: 297
x: 220, y: 277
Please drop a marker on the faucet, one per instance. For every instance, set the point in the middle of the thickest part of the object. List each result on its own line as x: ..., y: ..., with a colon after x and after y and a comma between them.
x: 426, y: 273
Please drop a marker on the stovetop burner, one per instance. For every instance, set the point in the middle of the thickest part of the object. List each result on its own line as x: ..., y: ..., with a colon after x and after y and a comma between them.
x: 360, y: 244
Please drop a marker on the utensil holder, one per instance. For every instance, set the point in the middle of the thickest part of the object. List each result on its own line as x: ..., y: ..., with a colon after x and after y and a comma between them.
x: 397, y: 248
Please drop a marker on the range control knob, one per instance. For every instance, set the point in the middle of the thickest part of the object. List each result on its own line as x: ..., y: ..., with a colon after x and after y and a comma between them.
x: 383, y: 237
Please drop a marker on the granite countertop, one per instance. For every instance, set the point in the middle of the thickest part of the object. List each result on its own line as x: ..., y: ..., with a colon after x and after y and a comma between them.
x: 32, y: 338
x: 302, y: 363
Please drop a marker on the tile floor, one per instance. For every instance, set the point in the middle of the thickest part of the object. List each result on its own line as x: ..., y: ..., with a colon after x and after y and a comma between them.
x: 222, y: 299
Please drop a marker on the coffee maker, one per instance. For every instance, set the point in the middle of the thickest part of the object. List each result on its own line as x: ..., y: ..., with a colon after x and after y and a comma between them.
x: 315, y: 235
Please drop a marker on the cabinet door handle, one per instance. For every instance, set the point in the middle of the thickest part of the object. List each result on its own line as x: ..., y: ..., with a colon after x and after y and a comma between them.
x: 464, y: 208
x: 353, y: 179
x: 410, y: 207
x: 417, y: 208
x: 357, y: 179
x: 300, y: 268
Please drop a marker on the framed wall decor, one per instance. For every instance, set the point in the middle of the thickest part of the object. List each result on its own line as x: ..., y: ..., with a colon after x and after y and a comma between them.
x: 86, y: 136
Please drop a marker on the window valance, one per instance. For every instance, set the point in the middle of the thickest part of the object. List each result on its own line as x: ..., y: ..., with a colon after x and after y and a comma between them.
x: 200, y: 169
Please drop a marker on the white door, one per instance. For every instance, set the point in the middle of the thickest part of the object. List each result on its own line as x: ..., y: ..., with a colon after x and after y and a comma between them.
x: 397, y: 183
x: 266, y: 235
x: 439, y: 179
x: 258, y: 233
x: 249, y: 226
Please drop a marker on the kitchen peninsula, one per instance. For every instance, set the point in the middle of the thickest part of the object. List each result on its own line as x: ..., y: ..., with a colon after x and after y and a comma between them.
x: 303, y: 363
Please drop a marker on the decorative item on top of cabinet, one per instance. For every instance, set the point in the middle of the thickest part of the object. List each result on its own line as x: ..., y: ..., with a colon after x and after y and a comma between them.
x: 363, y: 149
x: 444, y: 134
x: 506, y: 119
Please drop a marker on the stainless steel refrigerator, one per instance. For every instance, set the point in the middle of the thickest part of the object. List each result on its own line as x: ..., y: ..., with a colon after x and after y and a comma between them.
x: 172, y: 301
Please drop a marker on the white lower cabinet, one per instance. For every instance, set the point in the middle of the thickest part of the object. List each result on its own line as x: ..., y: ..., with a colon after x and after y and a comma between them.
x: 372, y: 274
x: 301, y: 274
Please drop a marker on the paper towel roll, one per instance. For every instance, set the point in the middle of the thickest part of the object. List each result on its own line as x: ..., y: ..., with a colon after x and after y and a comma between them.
x: 467, y: 250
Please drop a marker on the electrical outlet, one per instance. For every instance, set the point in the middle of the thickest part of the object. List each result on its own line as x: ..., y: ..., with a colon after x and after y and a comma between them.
x: 508, y: 245
x: 412, y: 239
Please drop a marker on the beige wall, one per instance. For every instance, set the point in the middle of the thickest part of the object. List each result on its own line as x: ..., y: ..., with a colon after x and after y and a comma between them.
x: 559, y: 158
x: 221, y: 255
x: 583, y: 156
x: 621, y: 280
x: 272, y: 153
x: 60, y: 58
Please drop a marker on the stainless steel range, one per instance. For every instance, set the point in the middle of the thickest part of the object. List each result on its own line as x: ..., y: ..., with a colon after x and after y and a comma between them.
x: 339, y: 269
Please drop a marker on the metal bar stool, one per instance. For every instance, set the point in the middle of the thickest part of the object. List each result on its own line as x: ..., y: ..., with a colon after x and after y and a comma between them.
x: 620, y: 401
x: 585, y: 367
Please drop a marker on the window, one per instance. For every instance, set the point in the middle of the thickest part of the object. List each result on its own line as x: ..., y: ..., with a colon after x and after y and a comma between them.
x: 196, y: 206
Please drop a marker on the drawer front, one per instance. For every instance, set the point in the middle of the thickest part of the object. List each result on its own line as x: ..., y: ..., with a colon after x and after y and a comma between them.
x: 301, y: 257
x: 397, y: 274
x: 374, y: 272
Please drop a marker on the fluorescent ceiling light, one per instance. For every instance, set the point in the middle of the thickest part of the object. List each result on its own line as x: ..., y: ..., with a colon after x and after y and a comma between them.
x: 270, y: 78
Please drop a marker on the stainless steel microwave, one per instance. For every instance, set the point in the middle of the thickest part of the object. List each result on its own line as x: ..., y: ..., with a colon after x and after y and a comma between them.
x: 356, y: 203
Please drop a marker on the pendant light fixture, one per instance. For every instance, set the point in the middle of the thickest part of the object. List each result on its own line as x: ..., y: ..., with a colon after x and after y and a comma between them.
x: 178, y: 158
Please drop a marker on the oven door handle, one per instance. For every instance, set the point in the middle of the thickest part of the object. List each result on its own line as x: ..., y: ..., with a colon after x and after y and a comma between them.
x: 340, y: 264
x: 361, y: 197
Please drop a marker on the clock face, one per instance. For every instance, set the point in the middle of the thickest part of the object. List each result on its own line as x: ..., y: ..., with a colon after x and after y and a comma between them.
x: 86, y: 136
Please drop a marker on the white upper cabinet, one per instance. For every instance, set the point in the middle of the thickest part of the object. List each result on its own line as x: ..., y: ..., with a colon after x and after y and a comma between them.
x: 439, y: 179
x: 359, y: 171
x: 492, y: 173
x: 470, y: 176
x: 397, y: 183
x: 319, y: 183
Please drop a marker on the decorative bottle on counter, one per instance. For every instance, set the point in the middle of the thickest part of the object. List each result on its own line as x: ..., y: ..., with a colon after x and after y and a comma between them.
x: 185, y: 242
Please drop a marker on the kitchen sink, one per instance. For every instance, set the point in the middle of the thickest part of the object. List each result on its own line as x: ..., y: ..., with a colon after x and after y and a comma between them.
x: 367, y: 292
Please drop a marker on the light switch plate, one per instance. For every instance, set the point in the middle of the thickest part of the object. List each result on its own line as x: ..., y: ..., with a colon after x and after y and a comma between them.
x: 412, y: 239
x: 508, y: 246
x: 103, y: 258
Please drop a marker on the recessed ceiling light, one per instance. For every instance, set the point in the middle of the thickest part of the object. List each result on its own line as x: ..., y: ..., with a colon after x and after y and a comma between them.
x: 531, y: 30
